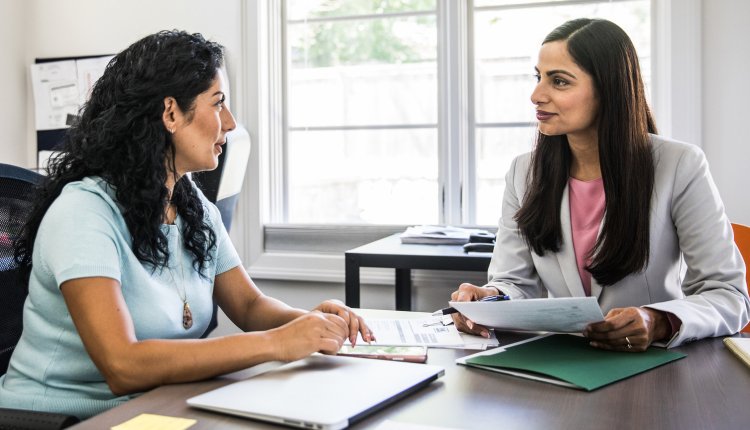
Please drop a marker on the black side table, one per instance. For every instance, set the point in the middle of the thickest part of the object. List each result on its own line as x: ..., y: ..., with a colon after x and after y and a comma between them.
x: 390, y: 252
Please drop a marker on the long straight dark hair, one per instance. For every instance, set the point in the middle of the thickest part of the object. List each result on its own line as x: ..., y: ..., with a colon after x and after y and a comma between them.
x: 606, y: 53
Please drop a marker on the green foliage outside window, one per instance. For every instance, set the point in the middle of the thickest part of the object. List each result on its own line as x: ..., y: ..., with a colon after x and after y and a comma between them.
x: 387, y: 40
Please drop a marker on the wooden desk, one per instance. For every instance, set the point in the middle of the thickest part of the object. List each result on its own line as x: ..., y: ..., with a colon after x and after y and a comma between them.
x: 709, y: 389
x: 390, y: 252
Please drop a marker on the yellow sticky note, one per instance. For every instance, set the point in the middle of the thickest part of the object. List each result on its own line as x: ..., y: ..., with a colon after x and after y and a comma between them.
x: 155, y: 422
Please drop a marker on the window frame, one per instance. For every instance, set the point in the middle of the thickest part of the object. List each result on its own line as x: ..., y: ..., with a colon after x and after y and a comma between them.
x: 676, y: 99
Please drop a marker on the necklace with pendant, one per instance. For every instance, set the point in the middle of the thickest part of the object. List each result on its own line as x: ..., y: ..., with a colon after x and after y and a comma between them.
x: 187, y: 315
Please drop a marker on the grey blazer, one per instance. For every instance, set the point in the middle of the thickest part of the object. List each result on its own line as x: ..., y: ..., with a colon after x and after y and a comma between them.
x: 694, y: 271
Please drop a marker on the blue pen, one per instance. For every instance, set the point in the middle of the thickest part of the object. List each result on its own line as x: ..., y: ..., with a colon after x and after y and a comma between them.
x: 452, y: 310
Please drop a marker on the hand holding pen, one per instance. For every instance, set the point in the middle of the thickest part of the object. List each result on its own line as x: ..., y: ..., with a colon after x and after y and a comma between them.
x: 466, y: 293
x: 451, y: 310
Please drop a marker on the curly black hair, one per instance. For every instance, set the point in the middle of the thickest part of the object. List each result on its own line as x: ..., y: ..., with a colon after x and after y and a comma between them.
x: 120, y: 137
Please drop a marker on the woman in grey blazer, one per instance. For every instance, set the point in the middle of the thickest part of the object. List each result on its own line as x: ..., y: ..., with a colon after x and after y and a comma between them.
x: 604, y: 207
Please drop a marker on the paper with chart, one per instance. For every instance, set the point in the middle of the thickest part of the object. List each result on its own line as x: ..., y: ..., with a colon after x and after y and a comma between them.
x: 386, y: 325
x: 435, y: 332
x: 427, y: 331
x: 561, y: 315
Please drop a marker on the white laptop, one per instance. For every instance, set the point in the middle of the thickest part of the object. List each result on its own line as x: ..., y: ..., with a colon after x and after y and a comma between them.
x: 320, y: 392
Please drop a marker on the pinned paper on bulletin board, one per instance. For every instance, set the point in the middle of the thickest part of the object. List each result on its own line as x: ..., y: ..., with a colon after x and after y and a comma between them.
x: 61, y: 86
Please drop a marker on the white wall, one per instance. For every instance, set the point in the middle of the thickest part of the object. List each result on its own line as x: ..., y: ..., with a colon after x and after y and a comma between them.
x: 726, y: 101
x: 13, y: 143
x: 59, y: 28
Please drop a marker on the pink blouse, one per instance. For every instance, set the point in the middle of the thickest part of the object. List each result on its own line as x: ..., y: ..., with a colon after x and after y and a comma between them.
x: 586, y: 200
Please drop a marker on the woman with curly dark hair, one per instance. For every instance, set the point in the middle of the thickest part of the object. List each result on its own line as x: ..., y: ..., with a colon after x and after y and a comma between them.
x: 126, y: 256
x: 605, y: 207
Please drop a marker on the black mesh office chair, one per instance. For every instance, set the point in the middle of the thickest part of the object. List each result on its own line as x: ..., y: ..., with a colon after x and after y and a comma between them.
x: 16, y: 189
x: 222, y: 185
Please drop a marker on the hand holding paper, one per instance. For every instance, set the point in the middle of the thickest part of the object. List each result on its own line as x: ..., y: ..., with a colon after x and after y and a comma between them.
x: 562, y: 315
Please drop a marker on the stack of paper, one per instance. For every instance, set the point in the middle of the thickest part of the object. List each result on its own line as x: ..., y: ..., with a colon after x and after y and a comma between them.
x: 438, y: 235
x: 740, y: 347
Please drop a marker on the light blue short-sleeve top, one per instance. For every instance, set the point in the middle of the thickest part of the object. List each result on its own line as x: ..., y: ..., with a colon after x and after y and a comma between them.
x: 83, y: 234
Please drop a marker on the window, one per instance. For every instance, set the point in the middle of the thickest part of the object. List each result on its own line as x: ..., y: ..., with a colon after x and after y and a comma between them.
x: 410, y: 111
x: 361, y: 141
x: 384, y: 113
x: 504, y: 125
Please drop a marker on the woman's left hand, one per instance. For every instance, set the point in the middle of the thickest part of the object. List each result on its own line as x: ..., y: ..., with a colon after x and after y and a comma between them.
x: 630, y: 329
x: 355, y: 322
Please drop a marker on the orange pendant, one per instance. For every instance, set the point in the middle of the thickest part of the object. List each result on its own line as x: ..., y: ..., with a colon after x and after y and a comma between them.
x: 187, y: 316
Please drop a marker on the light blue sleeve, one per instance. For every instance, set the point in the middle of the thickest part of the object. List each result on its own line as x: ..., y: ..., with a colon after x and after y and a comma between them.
x: 77, y: 238
x: 226, y: 255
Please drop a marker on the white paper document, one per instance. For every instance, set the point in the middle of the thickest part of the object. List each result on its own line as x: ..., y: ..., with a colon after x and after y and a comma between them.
x: 562, y: 315
x: 438, y: 235
x: 55, y: 88
x: 89, y: 70
x: 427, y: 331
x: 430, y: 332
x: 62, y: 87
x: 383, y: 324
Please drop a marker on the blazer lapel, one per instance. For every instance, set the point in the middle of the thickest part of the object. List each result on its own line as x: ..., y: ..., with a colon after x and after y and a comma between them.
x: 596, y: 289
x: 566, y: 256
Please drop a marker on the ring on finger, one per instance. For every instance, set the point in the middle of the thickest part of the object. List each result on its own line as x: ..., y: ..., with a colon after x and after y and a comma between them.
x: 630, y: 345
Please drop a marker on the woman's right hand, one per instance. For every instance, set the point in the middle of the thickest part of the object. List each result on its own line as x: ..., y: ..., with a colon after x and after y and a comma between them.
x: 470, y: 293
x: 312, y: 332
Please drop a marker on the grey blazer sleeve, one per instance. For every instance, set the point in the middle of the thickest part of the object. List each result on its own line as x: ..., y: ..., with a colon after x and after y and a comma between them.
x: 512, y: 268
x: 716, y: 299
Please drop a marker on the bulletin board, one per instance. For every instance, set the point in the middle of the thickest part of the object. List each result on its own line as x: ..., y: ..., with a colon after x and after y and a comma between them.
x: 61, y: 86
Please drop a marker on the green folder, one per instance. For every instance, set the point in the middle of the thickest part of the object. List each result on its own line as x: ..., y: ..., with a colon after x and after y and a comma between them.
x: 568, y: 360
